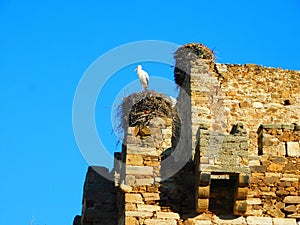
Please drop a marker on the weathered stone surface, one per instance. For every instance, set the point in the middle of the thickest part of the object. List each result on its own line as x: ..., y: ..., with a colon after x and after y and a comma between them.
x: 151, y: 196
x: 204, y: 179
x: 130, y: 206
x: 203, y: 192
x: 167, y: 215
x: 160, y: 222
x: 245, y: 104
x: 254, y: 212
x: 150, y: 208
x: 253, y: 220
x: 231, y: 221
x: 130, y: 180
x: 134, y: 159
x: 275, y: 167
x: 147, y: 181
x: 131, y: 221
x: 257, y: 105
x: 294, y: 215
x: 141, y: 214
x: 277, y: 213
x: 290, y: 179
x: 285, y: 221
x: 293, y: 149
x: 244, y: 180
x: 202, y: 205
x: 133, y: 149
x: 202, y: 222
x: 290, y: 208
x: 254, y: 201
x: 140, y: 170
x: 240, y: 207
x: 292, y: 199
x: 242, y: 193
x: 256, y: 169
x: 134, y: 198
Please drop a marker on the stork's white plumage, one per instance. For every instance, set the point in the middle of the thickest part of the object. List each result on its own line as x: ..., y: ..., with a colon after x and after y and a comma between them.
x: 144, y: 77
x: 173, y: 101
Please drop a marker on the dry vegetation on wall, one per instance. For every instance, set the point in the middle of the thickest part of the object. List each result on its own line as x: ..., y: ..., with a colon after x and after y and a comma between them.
x: 194, y: 51
x: 139, y: 108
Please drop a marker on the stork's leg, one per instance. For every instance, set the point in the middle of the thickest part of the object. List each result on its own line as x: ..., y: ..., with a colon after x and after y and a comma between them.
x: 144, y: 87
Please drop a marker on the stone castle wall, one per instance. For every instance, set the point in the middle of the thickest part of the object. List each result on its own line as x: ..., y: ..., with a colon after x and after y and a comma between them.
x: 250, y: 94
x: 238, y: 137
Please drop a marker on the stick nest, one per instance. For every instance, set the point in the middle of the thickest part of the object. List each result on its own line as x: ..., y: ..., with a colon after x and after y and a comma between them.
x: 193, y: 51
x: 139, y: 108
x: 185, y: 55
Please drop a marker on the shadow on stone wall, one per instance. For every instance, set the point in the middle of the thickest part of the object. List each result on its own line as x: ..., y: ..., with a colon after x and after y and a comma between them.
x: 177, y: 192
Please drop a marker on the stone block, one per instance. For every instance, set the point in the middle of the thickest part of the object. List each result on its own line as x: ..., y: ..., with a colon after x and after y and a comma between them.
x: 130, y: 206
x: 290, y: 209
x: 240, y: 207
x: 130, y: 180
x: 134, y: 198
x: 285, y: 94
x: 284, y: 221
x: 292, y: 199
x: 256, y: 169
x: 126, y: 187
x: 268, y: 194
x: 244, y: 180
x: 254, y: 163
x: 133, y: 149
x: 254, y: 212
x: 131, y: 221
x: 159, y: 221
x: 167, y: 215
x: 242, y: 193
x: 148, y: 208
x: 275, y: 167
x: 202, y: 205
x: 203, y: 192
x: 278, y: 150
x: 204, y: 179
x: 245, y: 104
x: 139, y: 170
x: 294, y: 215
x: 254, y: 220
x: 230, y: 220
x: 203, y: 216
x: 280, y: 205
x: 277, y: 213
x: 188, y: 222
x: 151, y: 196
x: 147, y: 181
x: 134, y: 159
x: 202, y: 222
x: 254, y: 201
x: 257, y: 105
x: 290, y: 179
x: 293, y: 149
x: 141, y: 214
x: 204, y: 160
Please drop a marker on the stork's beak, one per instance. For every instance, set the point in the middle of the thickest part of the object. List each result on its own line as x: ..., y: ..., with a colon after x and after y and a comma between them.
x: 135, y: 69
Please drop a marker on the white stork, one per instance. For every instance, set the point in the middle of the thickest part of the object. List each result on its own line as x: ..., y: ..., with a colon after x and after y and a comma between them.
x: 144, y: 77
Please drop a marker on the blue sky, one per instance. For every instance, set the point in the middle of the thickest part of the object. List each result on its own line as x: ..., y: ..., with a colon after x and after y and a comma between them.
x: 45, y: 48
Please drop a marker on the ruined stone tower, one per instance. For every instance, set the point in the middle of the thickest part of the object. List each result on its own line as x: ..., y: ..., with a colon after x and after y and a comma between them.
x: 227, y: 153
